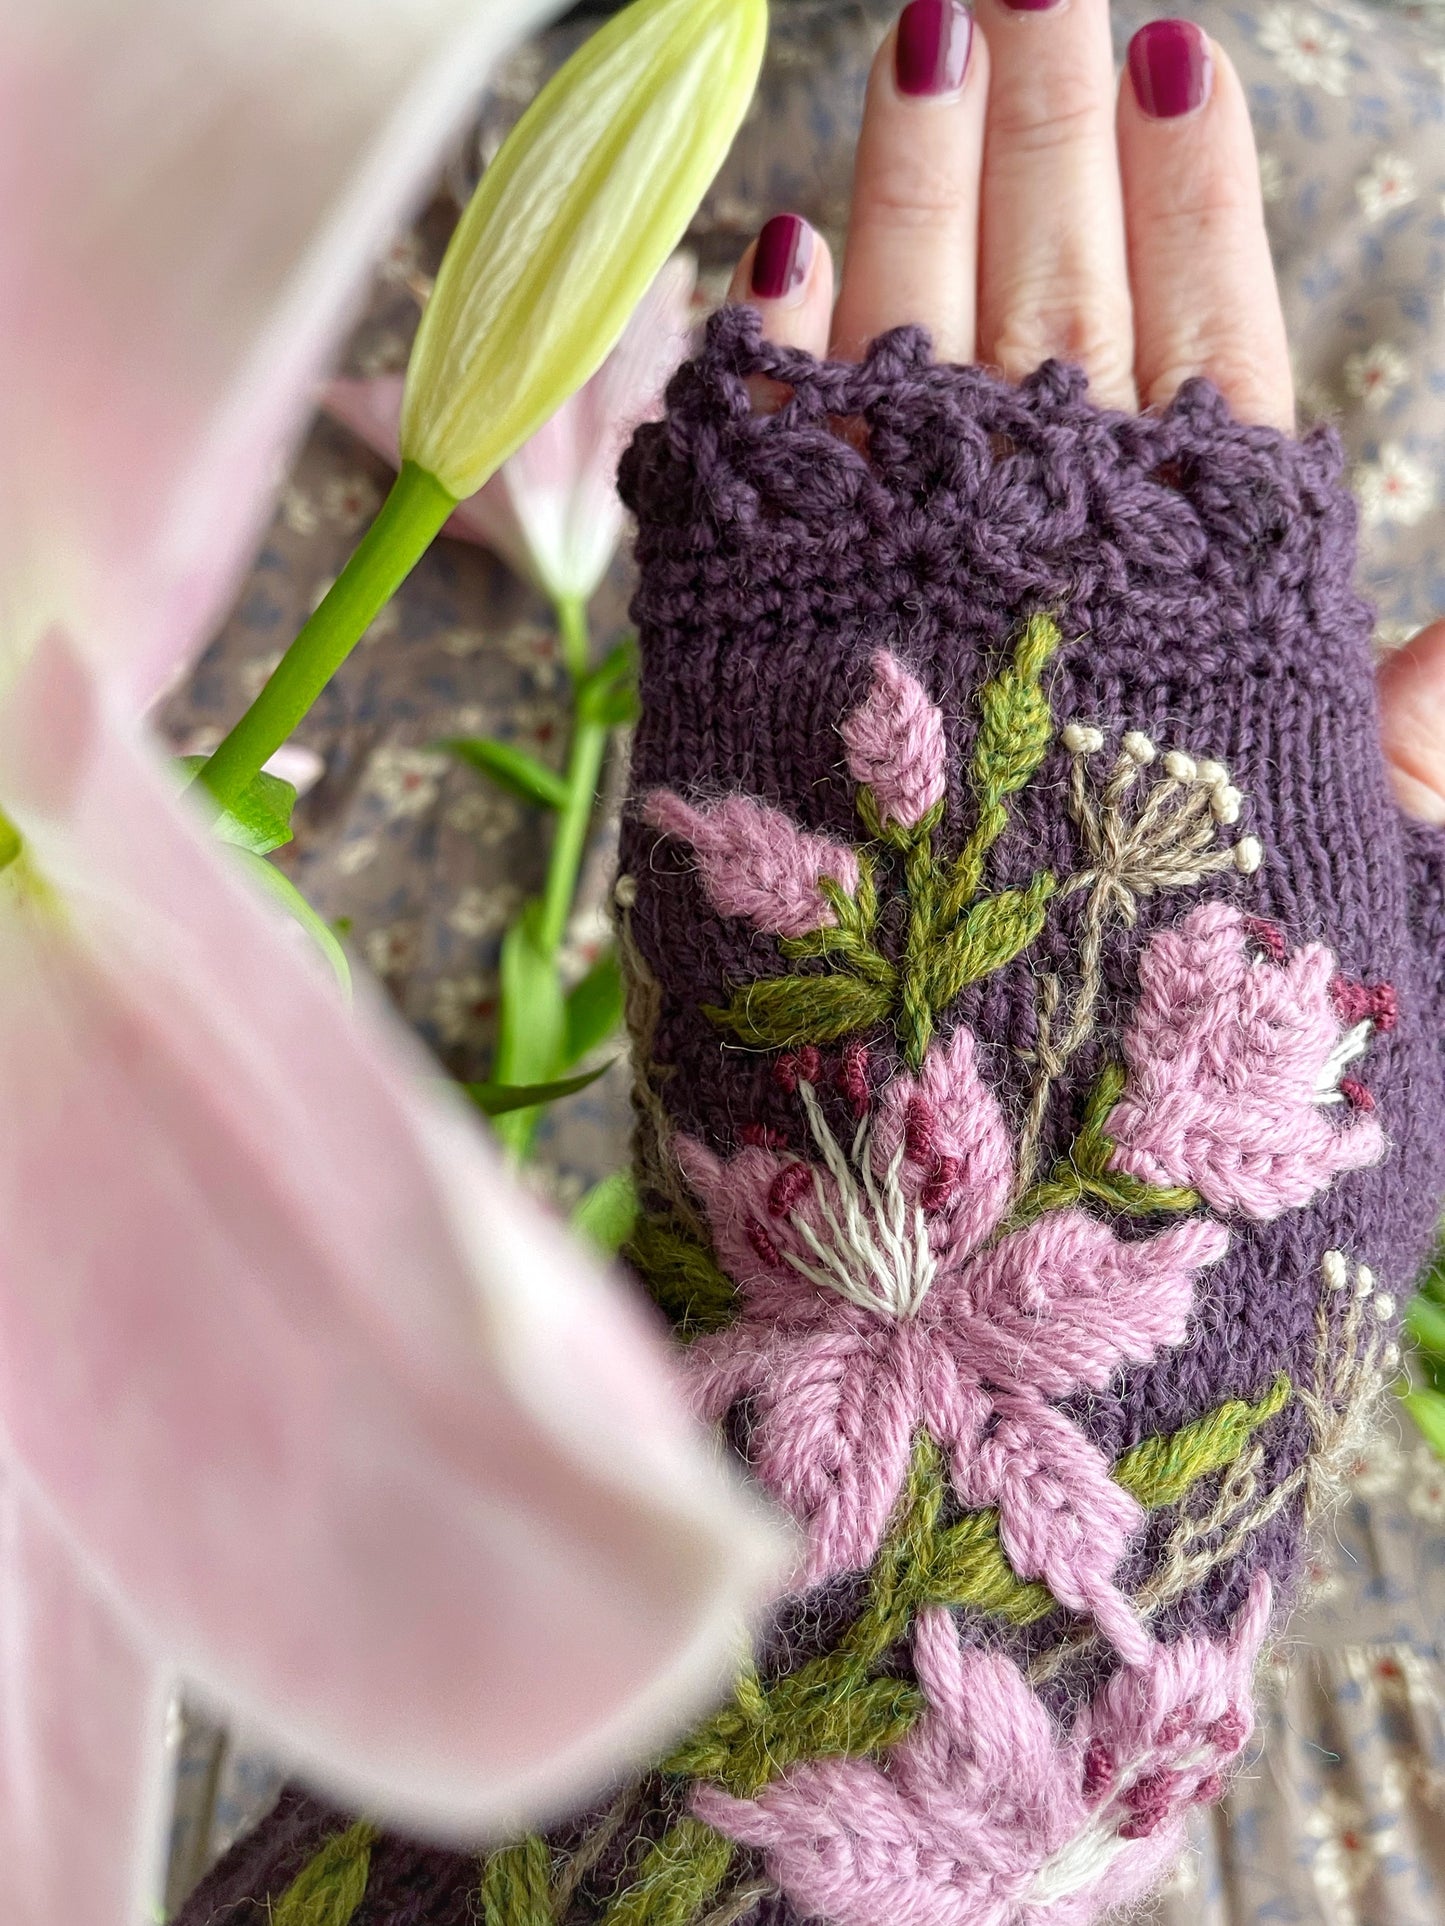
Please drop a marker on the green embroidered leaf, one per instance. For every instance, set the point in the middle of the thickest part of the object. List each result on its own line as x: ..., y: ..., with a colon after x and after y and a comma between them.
x: 260, y: 818
x: 284, y: 892
x: 785, y: 1010
x: 969, y: 1568
x: 682, y: 1278
x: 991, y: 935
x: 594, y: 1010
x: 1085, y: 1171
x: 1016, y: 725
x: 823, y: 1711
x: 516, y: 1887
x: 501, y: 1099
x: 511, y: 769
x: 677, y: 1878
x: 1164, y: 1470
x: 332, y: 1884
x: 608, y: 1212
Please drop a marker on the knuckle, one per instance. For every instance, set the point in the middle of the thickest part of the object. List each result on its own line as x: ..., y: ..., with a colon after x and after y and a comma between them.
x: 1090, y: 332
x: 1063, y: 111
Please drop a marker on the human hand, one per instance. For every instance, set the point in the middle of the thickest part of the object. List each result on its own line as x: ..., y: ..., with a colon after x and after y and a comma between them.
x: 1018, y: 203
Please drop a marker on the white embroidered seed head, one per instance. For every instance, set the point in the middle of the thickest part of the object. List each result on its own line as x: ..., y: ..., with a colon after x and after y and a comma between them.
x: 1226, y: 803
x: 1213, y: 773
x: 624, y: 892
x: 1138, y: 748
x: 1081, y: 739
x: 1336, y: 1270
x: 1248, y: 855
x: 1180, y: 767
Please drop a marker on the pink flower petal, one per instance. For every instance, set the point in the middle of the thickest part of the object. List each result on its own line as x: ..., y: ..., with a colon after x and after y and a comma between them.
x: 957, y: 1152
x: 755, y: 862
x: 372, y: 1451
x: 82, y: 1789
x: 896, y: 745
x: 1064, y: 1302
x: 191, y: 197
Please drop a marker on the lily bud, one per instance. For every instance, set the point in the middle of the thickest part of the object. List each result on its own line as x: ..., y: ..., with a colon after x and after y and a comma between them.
x: 570, y: 225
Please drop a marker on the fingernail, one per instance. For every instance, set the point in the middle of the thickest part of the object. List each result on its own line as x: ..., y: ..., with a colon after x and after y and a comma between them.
x: 1170, y: 68
x: 784, y: 254
x: 934, y: 38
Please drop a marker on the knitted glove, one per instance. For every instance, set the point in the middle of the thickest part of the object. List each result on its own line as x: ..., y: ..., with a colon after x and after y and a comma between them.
x: 1037, y: 1008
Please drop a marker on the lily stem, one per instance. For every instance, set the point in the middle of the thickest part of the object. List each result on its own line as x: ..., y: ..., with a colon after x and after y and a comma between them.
x: 411, y: 518
x: 584, y: 769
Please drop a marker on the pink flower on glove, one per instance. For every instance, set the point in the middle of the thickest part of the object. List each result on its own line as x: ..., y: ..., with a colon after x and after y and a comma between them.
x: 756, y: 863
x: 985, y: 1814
x: 896, y: 745
x: 874, y: 1304
x: 1235, y: 1064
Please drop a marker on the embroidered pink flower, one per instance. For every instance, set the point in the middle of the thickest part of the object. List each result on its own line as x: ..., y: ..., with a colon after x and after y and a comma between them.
x: 896, y: 745
x: 874, y: 1304
x: 985, y: 1815
x: 1236, y: 1056
x: 755, y: 862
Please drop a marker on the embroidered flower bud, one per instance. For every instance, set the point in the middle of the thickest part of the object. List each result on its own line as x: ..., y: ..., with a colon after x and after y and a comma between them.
x: 755, y: 862
x: 896, y: 745
x: 1234, y: 1066
x: 588, y: 197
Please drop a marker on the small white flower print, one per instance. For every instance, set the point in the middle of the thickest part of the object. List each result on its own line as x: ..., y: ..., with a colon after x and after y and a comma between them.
x: 1390, y: 184
x: 349, y: 500
x: 393, y: 950
x: 1395, y: 489
x: 481, y: 912
x: 463, y: 1006
x: 1378, y: 1467
x: 356, y: 855
x: 1426, y: 1497
x: 1347, y: 1853
x: 1376, y: 373
x: 1271, y: 177
x: 1309, y: 49
x: 484, y: 814
x: 406, y: 780
x: 298, y: 511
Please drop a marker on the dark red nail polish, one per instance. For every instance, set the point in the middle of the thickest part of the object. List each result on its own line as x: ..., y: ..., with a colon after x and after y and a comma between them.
x: 784, y: 254
x: 934, y: 38
x: 1170, y: 68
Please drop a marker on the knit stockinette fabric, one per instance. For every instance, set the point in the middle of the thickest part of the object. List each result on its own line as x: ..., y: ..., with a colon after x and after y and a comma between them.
x: 1036, y: 1001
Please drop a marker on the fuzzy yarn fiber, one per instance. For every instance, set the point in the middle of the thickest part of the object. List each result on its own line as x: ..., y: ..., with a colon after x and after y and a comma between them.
x: 1037, y: 1001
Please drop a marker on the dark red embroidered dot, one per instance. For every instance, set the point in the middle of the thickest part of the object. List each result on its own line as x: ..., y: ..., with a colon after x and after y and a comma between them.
x: 1358, y: 1002
x: 1208, y: 1792
x: 1098, y: 1769
x: 920, y: 1131
x: 766, y: 1249
x: 763, y: 1137
x: 1268, y: 936
x: 1179, y: 1721
x: 1387, y: 1007
x: 1228, y: 1734
x: 1356, y: 1095
x: 942, y: 1183
x: 855, y: 1078
x: 1150, y: 1803
x: 791, y: 1183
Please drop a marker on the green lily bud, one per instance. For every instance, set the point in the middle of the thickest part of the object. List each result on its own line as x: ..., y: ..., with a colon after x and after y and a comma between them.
x: 588, y: 197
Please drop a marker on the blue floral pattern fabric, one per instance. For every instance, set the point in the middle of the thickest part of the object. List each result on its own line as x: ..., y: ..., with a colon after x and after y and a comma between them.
x: 1341, y: 1820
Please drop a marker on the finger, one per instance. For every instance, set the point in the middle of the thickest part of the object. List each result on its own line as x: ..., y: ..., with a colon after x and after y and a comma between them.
x: 1412, y: 723
x: 1205, y: 300
x: 787, y: 274
x: 913, y: 239
x: 1054, y: 275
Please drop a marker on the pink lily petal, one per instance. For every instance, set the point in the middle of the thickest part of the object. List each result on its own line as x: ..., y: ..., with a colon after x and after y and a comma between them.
x: 896, y: 745
x: 82, y: 1794
x: 957, y: 1154
x: 755, y: 862
x: 375, y: 1455
x: 190, y: 197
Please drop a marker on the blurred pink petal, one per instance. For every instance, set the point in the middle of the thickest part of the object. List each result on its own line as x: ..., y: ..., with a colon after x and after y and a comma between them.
x: 552, y: 512
x: 356, y: 1431
x: 81, y: 1715
x: 189, y: 198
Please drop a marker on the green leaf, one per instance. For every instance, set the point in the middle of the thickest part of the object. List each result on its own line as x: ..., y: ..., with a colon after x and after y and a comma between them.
x: 501, y: 1099
x: 511, y: 768
x: 531, y: 1022
x: 283, y: 891
x: 1162, y: 1470
x: 782, y: 1011
x: 607, y: 696
x: 587, y: 197
x: 1425, y: 1321
x: 594, y: 1009
x: 1427, y: 1408
x: 1432, y: 1283
x: 1016, y: 725
x: 991, y: 935
x: 682, y: 1278
x: 259, y: 820
x: 608, y: 1212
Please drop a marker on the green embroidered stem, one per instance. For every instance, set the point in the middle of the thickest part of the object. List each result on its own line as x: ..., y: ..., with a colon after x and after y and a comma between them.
x: 330, y: 1887
x: 682, y: 1277
x: 920, y: 871
x: 784, y: 1011
x: 411, y: 518
x: 516, y: 1887
x: 1085, y: 1171
x: 992, y: 934
x: 680, y: 1875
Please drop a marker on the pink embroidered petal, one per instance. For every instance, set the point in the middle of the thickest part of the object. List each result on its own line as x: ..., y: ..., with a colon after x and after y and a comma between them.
x: 83, y: 1792
x: 1062, y: 1518
x: 755, y: 862
x: 190, y: 198
x: 1234, y: 1067
x: 373, y: 1453
x: 896, y: 745
x: 1064, y: 1302
x: 957, y: 1155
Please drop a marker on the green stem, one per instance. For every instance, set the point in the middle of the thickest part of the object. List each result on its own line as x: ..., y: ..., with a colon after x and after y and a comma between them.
x: 411, y: 518
x: 584, y: 769
x: 576, y: 643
